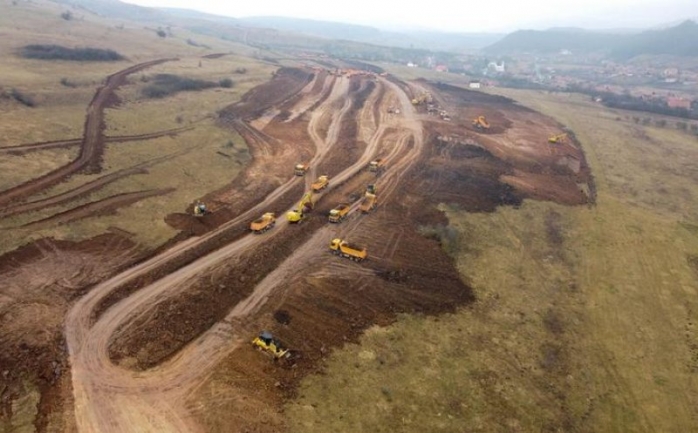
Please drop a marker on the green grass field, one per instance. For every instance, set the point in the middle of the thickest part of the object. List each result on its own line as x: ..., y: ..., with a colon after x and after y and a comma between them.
x: 585, y: 319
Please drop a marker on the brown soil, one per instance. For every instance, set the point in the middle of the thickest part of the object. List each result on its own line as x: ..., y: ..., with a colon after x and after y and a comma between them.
x: 190, y: 309
x: 40, y: 281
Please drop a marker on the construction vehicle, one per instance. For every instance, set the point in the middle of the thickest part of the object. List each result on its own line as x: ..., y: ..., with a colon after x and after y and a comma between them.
x: 263, y: 223
x: 368, y: 203
x: 200, y: 209
x: 338, y: 214
x: 422, y: 98
x: 304, y: 206
x: 481, y: 123
x: 376, y: 165
x: 344, y: 249
x: 320, y: 184
x: 558, y: 138
x: 301, y: 169
x: 265, y: 341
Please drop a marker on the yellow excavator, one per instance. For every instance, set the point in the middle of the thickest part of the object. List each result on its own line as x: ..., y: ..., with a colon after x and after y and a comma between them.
x: 481, y: 123
x: 306, y: 204
x: 559, y: 138
x: 422, y: 98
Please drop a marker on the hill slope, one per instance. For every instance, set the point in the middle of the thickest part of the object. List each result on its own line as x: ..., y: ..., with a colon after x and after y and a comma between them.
x: 677, y: 40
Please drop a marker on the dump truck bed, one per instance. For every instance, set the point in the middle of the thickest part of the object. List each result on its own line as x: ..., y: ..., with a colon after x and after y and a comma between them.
x: 368, y: 203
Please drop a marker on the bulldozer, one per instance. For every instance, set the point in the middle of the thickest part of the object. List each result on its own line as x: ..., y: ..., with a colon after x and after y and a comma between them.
x: 200, y: 209
x: 481, y: 123
x: 265, y: 341
x: 305, y: 205
x: 559, y: 138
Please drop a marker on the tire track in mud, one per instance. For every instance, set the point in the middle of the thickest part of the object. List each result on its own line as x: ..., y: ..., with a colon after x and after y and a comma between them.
x: 92, y: 142
x: 323, y: 146
x: 153, y: 394
x: 84, y: 189
x: 107, y: 205
x: 33, y: 147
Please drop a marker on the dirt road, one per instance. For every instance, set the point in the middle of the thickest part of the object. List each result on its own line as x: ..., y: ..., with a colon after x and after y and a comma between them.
x: 111, y: 398
x: 145, y: 341
x: 348, y: 124
x: 92, y: 144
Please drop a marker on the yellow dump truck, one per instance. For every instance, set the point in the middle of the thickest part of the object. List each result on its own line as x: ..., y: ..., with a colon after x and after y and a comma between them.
x: 368, y: 203
x: 301, y: 169
x: 376, y: 165
x: 344, y: 249
x: 321, y: 183
x: 338, y: 214
x: 263, y: 223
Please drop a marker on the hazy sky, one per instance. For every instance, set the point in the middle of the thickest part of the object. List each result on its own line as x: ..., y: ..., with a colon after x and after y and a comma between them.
x: 453, y: 15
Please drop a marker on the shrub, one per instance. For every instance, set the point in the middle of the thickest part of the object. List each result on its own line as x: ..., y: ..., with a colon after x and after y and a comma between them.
x: 67, y: 15
x: 240, y: 71
x: 22, y: 98
x: 161, y: 33
x: 193, y: 43
x: 57, y: 52
x: 169, y: 84
x: 67, y: 83
x: 226, y: 83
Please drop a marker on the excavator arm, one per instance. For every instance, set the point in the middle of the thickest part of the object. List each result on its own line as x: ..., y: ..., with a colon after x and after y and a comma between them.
x: 304, y: 205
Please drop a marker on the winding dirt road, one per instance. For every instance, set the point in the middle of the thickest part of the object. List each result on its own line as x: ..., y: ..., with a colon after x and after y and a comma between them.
x: 113, y: 398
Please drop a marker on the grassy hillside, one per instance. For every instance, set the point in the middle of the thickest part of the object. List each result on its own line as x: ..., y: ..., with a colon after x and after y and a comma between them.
x: 554, y: 40
x: 585, y: 319
x: 677, y: 41
x: 62, y: 90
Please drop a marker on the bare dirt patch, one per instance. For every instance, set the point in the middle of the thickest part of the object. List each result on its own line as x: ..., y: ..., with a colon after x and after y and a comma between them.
x: 40, y: 281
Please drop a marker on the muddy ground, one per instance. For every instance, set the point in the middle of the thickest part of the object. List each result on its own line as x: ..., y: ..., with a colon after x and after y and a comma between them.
x: 330, y: 300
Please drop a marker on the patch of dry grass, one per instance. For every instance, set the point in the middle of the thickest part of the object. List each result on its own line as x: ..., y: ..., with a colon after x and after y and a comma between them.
x: 60, y: 114
x: 585, y: 319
